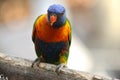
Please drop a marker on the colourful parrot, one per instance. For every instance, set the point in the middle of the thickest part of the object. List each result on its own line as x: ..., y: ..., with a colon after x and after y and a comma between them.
x: 52, y: 36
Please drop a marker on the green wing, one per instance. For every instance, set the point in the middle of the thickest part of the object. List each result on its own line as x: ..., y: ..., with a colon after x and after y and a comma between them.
x: 34, y: 29
x: 38, y: 52
x: 70, y: 35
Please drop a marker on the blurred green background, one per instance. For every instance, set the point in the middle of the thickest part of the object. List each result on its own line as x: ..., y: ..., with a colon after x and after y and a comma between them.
x: 96, y: 37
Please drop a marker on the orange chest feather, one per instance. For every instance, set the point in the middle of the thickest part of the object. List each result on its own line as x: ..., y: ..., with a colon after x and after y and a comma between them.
x: 45, y: 32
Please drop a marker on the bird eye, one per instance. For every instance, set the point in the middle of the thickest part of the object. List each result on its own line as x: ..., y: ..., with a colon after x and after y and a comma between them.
x: 61, y: 14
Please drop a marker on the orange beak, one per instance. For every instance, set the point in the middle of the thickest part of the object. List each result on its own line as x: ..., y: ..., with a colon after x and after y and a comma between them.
x: 53, y: 19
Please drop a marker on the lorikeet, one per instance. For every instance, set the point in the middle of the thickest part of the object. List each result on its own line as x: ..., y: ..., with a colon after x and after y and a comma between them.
x: 52, y: 36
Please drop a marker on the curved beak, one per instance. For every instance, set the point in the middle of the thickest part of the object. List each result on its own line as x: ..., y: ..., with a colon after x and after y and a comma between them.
x: 53, y: 18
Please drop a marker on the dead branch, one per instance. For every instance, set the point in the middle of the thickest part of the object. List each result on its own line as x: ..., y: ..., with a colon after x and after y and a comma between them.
x: 20, y: 69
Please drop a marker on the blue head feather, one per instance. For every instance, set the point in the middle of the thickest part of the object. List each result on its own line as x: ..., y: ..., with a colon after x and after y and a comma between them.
x: 59, y: 10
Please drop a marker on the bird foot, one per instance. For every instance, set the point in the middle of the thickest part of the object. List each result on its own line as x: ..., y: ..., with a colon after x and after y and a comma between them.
x: 36, y: 61
x: 59, y: 68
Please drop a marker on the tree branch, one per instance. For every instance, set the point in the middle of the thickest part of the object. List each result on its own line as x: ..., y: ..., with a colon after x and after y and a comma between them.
x: 20, y: 69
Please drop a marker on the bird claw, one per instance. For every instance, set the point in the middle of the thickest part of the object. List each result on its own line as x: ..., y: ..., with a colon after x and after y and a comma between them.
x: 36, y: 61
x: 59, y: 68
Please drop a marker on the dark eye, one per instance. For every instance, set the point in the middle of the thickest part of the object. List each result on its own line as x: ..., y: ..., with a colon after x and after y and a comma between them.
x: 61, y: 14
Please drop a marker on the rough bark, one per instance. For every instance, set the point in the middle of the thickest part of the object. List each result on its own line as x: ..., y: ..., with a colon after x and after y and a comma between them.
x: 15, y: 68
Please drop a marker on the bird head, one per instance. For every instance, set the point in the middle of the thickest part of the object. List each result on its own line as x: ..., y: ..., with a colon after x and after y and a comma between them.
x: 56, y: 15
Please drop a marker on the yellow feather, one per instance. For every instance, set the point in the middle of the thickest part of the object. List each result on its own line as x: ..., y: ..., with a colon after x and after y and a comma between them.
x: 62, y: 59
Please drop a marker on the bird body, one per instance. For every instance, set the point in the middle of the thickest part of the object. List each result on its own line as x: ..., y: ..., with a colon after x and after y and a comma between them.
x: 47, y: 33
x: 52, y: 41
